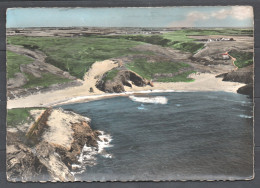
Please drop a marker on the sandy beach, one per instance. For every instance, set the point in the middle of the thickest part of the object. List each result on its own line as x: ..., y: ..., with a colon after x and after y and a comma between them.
x: 203, y: 82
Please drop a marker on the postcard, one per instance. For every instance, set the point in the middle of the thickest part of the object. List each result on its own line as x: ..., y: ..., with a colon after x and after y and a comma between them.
x: 130, y: 94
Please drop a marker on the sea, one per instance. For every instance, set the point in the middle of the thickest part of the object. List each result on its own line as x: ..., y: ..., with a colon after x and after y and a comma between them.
x: 168, y: 136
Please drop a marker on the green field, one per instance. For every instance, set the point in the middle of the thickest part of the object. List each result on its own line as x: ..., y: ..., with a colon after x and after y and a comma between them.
x: 147, y: 69
x: 46, y: 80
x: 199, y: 32
x: 14, y: 61
x: 178, y: 78
x: 180, y: 39
x: 76, y: 55
x: 175, y: 40
x: 19, y: 116
x: 243, y: 59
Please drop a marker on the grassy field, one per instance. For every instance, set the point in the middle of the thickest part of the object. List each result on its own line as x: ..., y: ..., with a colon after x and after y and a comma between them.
x: 243, y: 58
x: 197, y: 32
x: 46, y: 80
x: 13, y: 66
x: 174, y: 40
x: 178, y: 78
x: 147, y: 69
x: 76, y: 55
x: 180, y: 39
x: 14, y: 61
x: 19, y: 116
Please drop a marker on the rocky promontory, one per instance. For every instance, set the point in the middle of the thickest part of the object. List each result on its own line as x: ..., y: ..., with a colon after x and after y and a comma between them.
x: 243, y: 75
x: 48, y: 148
x: 121, y: 79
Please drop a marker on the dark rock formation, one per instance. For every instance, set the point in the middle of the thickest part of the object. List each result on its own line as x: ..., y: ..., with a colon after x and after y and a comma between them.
x: 243, y: 75
x: 246, y: 90
x: 123, y: 78
x: 83, y: 134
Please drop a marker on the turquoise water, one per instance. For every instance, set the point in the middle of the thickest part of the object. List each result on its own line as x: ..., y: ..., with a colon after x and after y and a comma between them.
x: 196, y: 135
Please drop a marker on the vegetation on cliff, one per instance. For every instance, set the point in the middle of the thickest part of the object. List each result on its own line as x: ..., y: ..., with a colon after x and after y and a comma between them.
x: 75, y: 55
x: 14, y: 61
x: 18, y: 116
x: 243, y: 59
x: 148, y: 70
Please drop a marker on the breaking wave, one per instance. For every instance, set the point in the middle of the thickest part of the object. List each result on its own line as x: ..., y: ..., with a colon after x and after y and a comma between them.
x: 154, y: 100
x: 88, y: 155
x: 245, y: 116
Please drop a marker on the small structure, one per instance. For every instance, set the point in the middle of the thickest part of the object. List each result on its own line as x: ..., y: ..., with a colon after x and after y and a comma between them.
x: 225, y: 56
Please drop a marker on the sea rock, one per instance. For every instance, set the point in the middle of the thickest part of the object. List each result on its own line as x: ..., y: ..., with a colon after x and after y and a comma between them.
x: 242, y: 75
x: 123, y: 78
x: 246, y: 90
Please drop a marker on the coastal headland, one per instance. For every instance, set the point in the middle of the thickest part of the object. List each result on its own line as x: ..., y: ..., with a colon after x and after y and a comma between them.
x: 47, y: 67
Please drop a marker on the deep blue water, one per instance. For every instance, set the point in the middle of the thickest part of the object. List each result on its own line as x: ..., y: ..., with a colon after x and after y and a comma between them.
x: 196, y: 135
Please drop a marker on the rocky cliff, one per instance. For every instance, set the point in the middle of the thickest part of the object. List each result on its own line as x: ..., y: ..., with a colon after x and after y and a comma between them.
x: 122, y: 78
x: 49, y: 148
x: 243, y: 75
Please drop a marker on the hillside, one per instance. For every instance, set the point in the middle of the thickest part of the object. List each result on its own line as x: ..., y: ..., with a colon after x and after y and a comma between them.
x: 41, y: 61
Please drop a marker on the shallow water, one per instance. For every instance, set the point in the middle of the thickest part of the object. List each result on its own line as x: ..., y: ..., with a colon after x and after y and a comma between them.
x: 196, y: 135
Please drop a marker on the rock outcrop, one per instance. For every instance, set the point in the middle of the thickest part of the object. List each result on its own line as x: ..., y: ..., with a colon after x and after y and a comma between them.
x: 123, y: 78
x: 247, y: 90
x: 22, y: 163
x: 243, y: 75
x: 44, y: 153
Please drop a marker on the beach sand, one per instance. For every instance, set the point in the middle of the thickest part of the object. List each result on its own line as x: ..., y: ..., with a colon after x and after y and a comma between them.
x: 203, y: 82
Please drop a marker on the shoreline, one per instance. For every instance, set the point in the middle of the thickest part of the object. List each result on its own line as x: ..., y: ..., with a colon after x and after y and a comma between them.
x: 204, y: 82
x: 89, y: 98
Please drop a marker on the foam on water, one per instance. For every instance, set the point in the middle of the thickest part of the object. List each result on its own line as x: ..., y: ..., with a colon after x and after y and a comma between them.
x: 88, y: 155
x: 154, y: 100
x: 142, y: 107
x: 245, y: 116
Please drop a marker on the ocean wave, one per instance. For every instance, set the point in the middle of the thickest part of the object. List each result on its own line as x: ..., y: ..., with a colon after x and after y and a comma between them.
x: 88, y: 155
x: 154, y: 100
x: 245, y: 116
x: 241, y: 102
x: 142, y: 107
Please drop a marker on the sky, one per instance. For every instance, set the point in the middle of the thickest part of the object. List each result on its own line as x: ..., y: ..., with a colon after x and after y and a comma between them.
x: 214, y: 16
